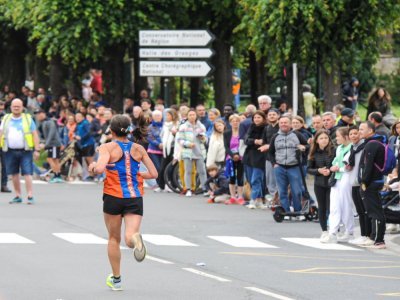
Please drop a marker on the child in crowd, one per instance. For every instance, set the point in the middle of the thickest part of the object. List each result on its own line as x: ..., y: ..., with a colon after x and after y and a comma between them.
x: 217, y: 185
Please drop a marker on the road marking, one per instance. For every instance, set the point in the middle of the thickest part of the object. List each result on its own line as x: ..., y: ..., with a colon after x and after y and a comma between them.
x: 13, y: 238
x: 35, y: 182
x: 315, y: 243
x: 81, y: 182
x: 267, y: 293
x: 163, y: 261
x: 241, y: 242
x: 390, y: 294
x: 206, y: 274
x: 341, y: 271
x: 166, y: 240
x: 81, y: 238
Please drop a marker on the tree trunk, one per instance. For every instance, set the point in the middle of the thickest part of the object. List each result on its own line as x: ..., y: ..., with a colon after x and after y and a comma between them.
x: 57, y: 75
x: 12, y: 60
x: 140, y: 83
x: 331, y: 87
x: 113, y: 75
x: 41, y: 73
x: 194, y: 91
x: 263, y: 83
x: 223, y: 73
x: 253, y: 78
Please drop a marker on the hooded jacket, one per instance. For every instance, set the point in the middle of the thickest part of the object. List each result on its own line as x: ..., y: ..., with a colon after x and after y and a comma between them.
x: 374, y: 153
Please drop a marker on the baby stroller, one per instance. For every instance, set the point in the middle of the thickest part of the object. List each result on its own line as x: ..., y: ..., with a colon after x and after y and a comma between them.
x: 391, y: 207
x: 308, y: 210
x: 66, y: 162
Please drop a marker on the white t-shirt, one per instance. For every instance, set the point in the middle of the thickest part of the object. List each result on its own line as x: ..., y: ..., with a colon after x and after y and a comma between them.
x: 15, y: 137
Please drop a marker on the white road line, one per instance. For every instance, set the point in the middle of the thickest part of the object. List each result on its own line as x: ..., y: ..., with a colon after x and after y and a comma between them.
x: 206, y: 274
x: 267, y: 293
x: 241, y: 242
x: 163, y: 261
x: 166, y: 240
x: 81, y: 182
x: 13, y: 238
x: 35, y: 182
x: 81, y: 238
x: 315, y: 243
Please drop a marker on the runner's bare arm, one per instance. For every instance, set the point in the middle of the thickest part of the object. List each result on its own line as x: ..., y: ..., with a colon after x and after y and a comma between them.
x: 151, y: 169
x: 103, y: 160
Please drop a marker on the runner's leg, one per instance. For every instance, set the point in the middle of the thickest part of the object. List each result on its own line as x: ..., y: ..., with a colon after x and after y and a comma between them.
x: 132, y: 226
x: 113, y: 224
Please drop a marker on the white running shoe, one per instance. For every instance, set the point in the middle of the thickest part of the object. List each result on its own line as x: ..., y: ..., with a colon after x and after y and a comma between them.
x: 345, y: 238
x: 189, y: 193
x: 260, y: 205
x: 167, y: 189
x: 157, y: 190
x: 358, y: 241
x: 139, y: 250
x: 323, y: 235
x: 367, y: 243
x: 300, y: 218
x: 330, y: 239
x: 252, y: 204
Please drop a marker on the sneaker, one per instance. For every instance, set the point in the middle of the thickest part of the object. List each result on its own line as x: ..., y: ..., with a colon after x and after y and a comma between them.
x: 211, y: 200
x: 188, y: 194
x: 157, y: 190
x: 30, y: 201
x: 330, y: 239
x: 381, y: 245
x: 345, y: 238
x: 300, y: 218
x: 260, y: 205
x: 240, y: 201
x: 56, y: 180
x: 112, y: 284
x: 206, y: 194
x: 139, y: 248
x: 368, y: 242
x: 16, y: 200
x: 287, y: 218
x: 167, y: 189
x: 358, y: 241
x: 323, y: 235
x: 230, y: 201
x: 252, y: 204
x: 391, y: 228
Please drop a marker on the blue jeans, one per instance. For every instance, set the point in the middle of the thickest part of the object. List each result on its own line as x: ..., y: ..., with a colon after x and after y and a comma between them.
x: 284, y: 178
x: 17, y: 160
x: 256, y: 182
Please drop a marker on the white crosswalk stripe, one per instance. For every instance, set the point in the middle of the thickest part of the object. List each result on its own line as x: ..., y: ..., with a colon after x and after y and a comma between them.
x: 241, y: 242
x: 13, y: 238
x: 81, y: 238
x: 166, y: 240
x: 315, y: 243
x: 76, y: 182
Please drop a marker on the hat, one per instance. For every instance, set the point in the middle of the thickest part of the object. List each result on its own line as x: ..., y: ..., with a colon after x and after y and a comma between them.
x: 39, y: 110
x: 275, y: 110
x: 347, y: 112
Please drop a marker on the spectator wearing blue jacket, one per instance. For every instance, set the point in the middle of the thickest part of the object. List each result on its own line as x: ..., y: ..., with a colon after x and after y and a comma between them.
x: 155, y: 148
x: 85, y: 145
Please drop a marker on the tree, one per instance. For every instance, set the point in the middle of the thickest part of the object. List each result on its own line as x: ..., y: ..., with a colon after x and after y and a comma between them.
x: 288, y: 31
x: 96, y: 31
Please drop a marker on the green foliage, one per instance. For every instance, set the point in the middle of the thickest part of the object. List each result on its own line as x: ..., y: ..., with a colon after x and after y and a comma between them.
x: 79, y: 30
x: 289, y: 31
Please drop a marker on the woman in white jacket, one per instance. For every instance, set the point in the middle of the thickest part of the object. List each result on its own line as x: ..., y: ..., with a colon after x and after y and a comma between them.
x: 168, y: 132
x: 216, y: 148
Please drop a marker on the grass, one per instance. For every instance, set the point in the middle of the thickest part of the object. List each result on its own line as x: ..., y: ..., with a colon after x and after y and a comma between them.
x: 362, y: 111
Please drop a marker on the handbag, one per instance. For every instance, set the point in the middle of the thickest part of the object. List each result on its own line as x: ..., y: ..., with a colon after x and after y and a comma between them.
x: 332, y: 180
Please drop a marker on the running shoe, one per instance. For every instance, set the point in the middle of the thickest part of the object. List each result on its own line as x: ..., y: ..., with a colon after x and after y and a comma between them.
x: 211, y: 200
x: 30, y: 200
x: 188, y: 194
x: 16, y: 200
x: 230, y: 201
x: 329, y: 239
x: 241, y: 201
x: 139, y: 248
x: 381, y: 245
x: 252, y: 204
x: 358, y: 241
x: 113, y: 284
x: 157, y: 190
x: 260, y: 205
x: 345, y: 238
x: 367, y: 243
x: 56, y: 180
x: 323, y: 235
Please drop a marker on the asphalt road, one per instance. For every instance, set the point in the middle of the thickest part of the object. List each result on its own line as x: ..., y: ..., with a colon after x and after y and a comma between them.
x: 56, y: 249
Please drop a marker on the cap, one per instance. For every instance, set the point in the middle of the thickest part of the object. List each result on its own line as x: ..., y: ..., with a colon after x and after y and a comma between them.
x: 347, y: 112
x: 39, y: 110
x: 275, y: 110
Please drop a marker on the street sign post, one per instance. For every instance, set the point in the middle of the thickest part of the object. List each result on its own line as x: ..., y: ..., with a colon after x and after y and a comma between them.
x: 171, y: 38
x: 175, y: 68
x: 175, y: 53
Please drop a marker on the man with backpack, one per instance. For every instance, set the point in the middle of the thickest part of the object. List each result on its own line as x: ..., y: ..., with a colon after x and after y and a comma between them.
x: 376, y: 161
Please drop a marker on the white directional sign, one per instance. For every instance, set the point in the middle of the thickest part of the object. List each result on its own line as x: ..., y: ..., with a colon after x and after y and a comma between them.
x: 175, y: 53
x: 174, y: 68
x: 170, y: 38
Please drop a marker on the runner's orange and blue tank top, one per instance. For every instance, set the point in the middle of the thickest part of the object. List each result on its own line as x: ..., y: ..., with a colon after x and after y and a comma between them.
x: 123, y: 180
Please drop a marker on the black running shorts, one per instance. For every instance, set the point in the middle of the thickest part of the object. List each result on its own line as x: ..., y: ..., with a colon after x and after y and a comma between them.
x: 122, y: 206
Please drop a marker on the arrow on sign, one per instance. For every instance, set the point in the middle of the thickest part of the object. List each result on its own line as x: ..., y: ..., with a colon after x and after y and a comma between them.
x: 174, y: 68
x: 170, y: 38
x: 175, y: 53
